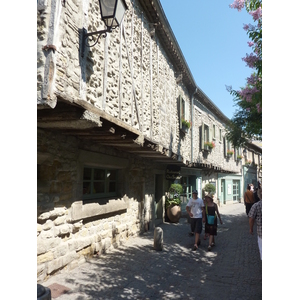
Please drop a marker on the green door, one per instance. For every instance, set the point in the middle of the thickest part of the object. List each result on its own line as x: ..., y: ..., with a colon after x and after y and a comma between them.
x: 236, y: 190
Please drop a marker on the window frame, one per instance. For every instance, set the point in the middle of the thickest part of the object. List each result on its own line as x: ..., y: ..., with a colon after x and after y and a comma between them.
x: 106, y: 193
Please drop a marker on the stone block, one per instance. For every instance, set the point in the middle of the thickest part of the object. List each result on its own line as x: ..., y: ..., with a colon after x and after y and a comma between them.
x: 158, y: 239
x: 61, y: 250
x: 60, y: 220
x: 60, y: 262
x: 45, y: 257
x: 48, y: 225
x: 44, y: 245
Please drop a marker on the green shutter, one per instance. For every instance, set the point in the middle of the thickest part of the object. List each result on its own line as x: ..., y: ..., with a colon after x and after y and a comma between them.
x: 180, y: 110
x: 202, y: 136
x: 225, y: 146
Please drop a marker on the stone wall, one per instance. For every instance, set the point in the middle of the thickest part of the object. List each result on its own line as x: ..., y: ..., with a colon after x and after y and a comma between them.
x: 128, y: 76
x: 69, y: 230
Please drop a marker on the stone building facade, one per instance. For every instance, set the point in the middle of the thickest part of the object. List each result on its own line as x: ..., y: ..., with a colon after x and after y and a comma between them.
x: 109, y: 129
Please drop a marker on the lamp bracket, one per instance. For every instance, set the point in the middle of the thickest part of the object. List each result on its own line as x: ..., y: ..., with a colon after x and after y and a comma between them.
x: 85, y: 36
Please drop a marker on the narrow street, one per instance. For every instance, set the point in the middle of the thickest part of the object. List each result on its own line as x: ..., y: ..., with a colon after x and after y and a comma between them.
x: 231, y: 271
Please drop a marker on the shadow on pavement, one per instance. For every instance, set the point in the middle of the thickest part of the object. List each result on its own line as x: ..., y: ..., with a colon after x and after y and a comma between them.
x: 137, y: 271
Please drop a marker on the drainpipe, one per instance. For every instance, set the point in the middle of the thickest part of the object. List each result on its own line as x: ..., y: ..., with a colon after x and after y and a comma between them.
x: 192, y: 130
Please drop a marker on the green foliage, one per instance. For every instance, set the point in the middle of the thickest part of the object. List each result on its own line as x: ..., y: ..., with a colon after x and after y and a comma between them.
x: 246, y: 123
x: 209, y: 188
x: 174, y: 195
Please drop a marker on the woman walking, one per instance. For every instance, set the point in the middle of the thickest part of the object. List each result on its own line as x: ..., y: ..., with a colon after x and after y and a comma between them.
x: 211, y: 222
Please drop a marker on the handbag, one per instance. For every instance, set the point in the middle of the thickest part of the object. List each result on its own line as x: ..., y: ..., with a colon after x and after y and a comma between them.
x: 210, y: 219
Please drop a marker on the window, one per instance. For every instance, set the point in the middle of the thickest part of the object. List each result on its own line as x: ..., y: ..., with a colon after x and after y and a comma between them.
x: 214, y: 131
x: 182, y: 110
x: 206, y: 133
x: 99, y: 182
x: 220, y: 135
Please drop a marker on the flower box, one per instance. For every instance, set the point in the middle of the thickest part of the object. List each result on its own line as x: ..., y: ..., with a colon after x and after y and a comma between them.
x: 209, y: 145
x: 230, y: 153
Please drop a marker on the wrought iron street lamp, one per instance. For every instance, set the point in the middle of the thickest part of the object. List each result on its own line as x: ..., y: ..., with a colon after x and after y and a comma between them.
x: 112, y: 13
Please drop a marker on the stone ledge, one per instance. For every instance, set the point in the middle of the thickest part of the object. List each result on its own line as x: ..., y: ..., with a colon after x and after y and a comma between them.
x: 81, y: 211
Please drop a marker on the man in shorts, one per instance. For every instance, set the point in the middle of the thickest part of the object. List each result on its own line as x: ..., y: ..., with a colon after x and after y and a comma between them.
x: 195, y: 209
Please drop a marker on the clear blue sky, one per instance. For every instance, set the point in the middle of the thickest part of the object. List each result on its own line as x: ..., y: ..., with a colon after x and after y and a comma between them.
x: 212, y: 39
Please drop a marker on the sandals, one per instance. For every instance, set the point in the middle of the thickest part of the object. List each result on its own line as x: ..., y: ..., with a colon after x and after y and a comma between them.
x: 195, y: 247
x: 209, y: 248
x: 212, y: 244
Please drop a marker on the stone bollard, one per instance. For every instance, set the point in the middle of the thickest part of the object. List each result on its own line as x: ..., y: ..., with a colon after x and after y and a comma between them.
x: 158, y: 239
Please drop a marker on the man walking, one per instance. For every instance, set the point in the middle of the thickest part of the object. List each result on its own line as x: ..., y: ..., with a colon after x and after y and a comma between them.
x: 195, y: 209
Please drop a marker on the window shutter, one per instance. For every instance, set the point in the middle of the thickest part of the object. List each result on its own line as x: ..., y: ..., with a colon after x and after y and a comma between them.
x: 202, y: 136
x: 210, y: 134
x: 225, y: 146
x: 235, y: 152
x: 180, y: 112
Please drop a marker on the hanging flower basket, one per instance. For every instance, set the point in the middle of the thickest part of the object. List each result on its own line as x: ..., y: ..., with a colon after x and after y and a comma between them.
x: 185, y: 125
x: 230, y: 153
x: 239, y: 157
x: 209, y: 145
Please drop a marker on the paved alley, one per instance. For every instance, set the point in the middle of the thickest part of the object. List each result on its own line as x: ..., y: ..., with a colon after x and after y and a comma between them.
x: 231, y: 271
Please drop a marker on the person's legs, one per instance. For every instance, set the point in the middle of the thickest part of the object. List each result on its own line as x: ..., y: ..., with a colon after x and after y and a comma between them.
x: 197, y: 238
x: 198, y: 230
x: 259, y: 241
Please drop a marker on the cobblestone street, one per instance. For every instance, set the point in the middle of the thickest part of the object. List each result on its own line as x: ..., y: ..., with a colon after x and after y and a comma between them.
x: 232, y: 270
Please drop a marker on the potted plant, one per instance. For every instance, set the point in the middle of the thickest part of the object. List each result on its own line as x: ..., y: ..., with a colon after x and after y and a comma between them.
x: 209, y: 188
x: 209, y: 145
x: 230, y: 152
x: 186, y: 125
x: 173, y: 202
x: 239, y: 157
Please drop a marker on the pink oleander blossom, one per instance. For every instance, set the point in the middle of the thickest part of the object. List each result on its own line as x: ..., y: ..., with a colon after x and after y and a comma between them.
x: 246, y: 27
x: 247, y: 93
x: 256, y: 14
x: 250, y: 44
x: 259, y: 109
x: 252, y: 80
x: 238, y: 4
x: 250, y: 60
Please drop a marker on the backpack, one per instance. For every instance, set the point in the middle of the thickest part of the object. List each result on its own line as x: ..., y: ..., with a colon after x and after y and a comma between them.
x: 210, y: 219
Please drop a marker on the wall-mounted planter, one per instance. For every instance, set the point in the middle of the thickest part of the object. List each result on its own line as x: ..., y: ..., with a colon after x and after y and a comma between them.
x: 184, y: 129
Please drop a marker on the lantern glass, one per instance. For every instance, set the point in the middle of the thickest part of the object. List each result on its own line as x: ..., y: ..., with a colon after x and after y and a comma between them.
x: 112, y: 12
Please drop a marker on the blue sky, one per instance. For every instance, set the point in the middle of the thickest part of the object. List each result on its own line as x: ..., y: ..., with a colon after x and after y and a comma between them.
x: 213, y: 42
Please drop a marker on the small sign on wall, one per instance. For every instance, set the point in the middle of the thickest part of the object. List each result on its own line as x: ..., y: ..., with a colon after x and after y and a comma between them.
x: 229, y: 189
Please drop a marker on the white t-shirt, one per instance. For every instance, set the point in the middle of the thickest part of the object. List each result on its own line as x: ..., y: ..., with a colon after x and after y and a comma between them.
x: 196, y: 207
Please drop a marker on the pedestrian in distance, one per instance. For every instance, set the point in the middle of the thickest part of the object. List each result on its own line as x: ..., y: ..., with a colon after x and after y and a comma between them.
x: 255, y: 214
x: 211, y: 224
x: 257, y: 192
x: 248, y: 198
x: 195, y: 209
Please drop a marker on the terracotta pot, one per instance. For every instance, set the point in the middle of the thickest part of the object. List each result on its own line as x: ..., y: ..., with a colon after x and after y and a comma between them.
x: 174, y: 213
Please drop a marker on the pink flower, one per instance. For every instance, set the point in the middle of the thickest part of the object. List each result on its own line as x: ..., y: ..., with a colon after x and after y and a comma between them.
x: 238, y: 4
x: 256, y: 14
x: 259, y: 109
x: 250, y: 60
x: 247, y: 93
x: 246, y: 26
x: 250, y: 44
